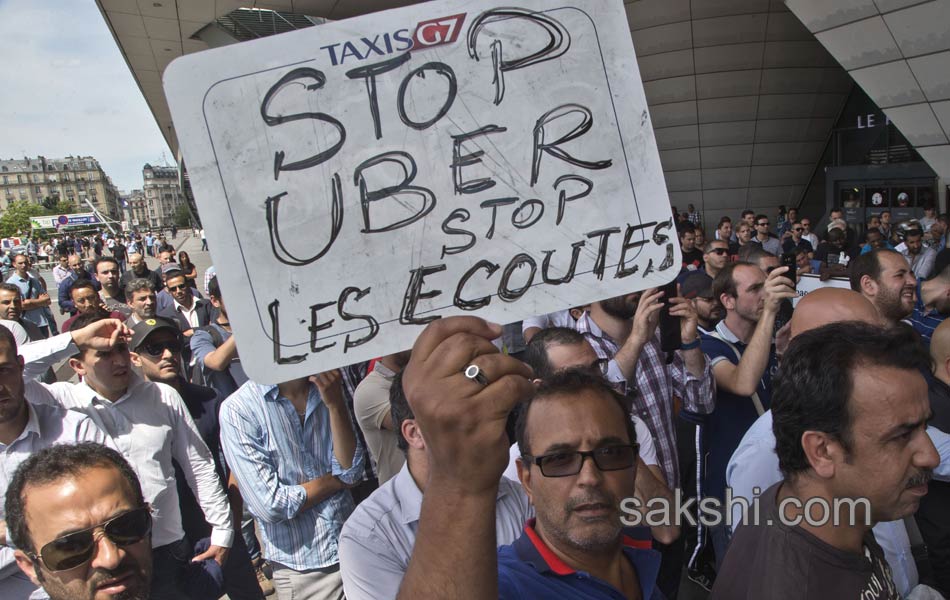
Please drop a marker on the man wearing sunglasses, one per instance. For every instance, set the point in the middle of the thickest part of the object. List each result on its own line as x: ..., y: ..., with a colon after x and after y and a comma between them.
x: 80, y: 524
x: 164, y: 297
x: 796, y: 243
x: 150, y: 425
x: 764, y: 238
x: 715, y: 257
x: 156, y: 349
x: 185, y: 310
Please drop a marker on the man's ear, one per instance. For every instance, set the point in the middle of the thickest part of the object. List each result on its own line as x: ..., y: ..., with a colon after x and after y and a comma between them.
x: 822, y: 452
x: 524, y: 475
x: 77, y: 366
x: 413, y: 435
x: 136, y: 359
x: 868, y: 286
x: 27, y: 566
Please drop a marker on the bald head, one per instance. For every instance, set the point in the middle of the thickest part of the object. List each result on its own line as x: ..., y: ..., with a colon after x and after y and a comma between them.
x: 832, y: 305
x: 940, y: 351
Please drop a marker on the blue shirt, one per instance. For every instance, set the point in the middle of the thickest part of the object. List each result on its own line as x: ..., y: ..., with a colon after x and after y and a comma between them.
x: 270, y: 454
x: 734, y: 415
x: 529, y: 569
x: 30, y: 289
x: 923, y: 320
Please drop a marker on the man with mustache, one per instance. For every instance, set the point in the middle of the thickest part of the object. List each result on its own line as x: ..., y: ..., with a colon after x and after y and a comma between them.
x: 849, y: 412
x: 80, y: 524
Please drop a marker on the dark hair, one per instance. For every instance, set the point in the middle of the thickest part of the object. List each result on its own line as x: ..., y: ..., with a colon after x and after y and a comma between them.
x: 399, y: 410
x: 7, y: 336
x: 9, y: 287
x: 751, y: 253
x: 725, y: 283
x: 836, y: 234
x: 536, y: 354
x: 709, y: 245
x: 104, y: 259
x: 88, y: 318
x: 760, y: 216
x: 684, y: 228
x: 80, y: 284
x: 182, y: 257
x: 868, y: 264
x: 812, y: 389
x: 213, y: 288
x: 724, y: 219
x: 137, y: 285
x: 53, y: 464
x: 571, y: 382
x: 748, y: 212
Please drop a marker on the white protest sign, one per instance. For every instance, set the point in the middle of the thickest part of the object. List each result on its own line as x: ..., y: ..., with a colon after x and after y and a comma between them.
x: 810, y: 282
x: 360, y: 178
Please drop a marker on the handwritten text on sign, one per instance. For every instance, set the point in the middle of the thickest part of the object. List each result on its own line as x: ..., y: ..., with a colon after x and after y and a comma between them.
x: 361, y: 178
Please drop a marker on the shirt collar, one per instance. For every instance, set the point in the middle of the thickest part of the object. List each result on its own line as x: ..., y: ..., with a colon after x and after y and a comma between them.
x: 409, y: 496
x: 531, y: 549
x: 383, y: 370
x: 194, y: 305
x: 91, y: 395
x: 32, y: 426
x: 726, y: 333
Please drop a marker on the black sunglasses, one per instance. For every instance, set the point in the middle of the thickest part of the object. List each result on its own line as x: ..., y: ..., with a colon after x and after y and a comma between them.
x: 763, y: 224
x: 74, y: 549
x: 718, y: 251
x: 565, y: 464
x: 798, y: 229
x: 159, y: 348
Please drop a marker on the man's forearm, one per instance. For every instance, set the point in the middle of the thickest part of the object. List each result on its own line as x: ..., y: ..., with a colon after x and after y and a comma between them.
x: 344, y: 440
x: 220, y: 358
x: 747, y: 374
x: 32, y: 303
x: 455, y: 553
x: 627, y: 357
x: 320, y: 489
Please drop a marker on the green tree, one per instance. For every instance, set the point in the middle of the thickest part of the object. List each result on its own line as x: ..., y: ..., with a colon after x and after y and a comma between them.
x: 62, y: 207
x: 16, y: 218
x: 182, y: 216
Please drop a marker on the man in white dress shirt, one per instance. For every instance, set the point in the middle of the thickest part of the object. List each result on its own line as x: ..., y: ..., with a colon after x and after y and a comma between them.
x: 150, y: 426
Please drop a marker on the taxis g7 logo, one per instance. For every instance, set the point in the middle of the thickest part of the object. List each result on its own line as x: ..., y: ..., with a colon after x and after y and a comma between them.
x: 434, y: 32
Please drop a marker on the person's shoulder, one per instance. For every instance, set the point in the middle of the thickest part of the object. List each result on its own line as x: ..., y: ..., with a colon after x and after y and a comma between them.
x: 381, y: 506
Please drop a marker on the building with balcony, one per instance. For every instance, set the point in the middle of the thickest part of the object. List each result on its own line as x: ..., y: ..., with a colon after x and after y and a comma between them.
x: 74, y: 179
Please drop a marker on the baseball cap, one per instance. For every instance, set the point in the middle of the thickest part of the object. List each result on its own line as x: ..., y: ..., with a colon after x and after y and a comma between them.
x: 146, y: 327
x: 697, y: 285
x: 170, y: 267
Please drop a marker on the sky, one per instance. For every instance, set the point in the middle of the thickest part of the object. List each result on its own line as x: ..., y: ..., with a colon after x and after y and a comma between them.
x: 67, y: 90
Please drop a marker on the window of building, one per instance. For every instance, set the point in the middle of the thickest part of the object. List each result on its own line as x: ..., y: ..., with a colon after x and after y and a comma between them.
x: 4, y: 169
x: 35, y: 168
x: 19, y: 178
x: 5, y: 180
x: 37, y: 190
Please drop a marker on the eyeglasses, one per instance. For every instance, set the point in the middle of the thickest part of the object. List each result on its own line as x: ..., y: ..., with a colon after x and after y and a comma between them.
x: 74, y: 549
x: 806, y: 224
x: 718, y: 251
x: 177, y: 287
x: 159, y: 348
x: 798, y: 229
x: 763, y: 224
x: 565, y: 464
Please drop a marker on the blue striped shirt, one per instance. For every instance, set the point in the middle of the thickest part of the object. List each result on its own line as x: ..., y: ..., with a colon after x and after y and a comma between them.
x: 923, y: 320
x: 271, y: 454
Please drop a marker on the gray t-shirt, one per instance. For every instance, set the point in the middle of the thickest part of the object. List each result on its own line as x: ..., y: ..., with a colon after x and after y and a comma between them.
x: 781, y: 562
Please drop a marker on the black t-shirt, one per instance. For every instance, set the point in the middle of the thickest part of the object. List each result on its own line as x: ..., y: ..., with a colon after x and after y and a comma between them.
x: 803, y: 245
x: 780, y: 562
x: 693, y: 258
x: 830, y: 255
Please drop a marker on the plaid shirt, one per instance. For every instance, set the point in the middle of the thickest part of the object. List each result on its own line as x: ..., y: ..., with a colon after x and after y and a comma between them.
x: 694, y: 217
x: 657, y: 383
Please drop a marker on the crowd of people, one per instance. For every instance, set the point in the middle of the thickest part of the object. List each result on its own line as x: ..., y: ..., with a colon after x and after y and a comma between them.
x: 459, y: 468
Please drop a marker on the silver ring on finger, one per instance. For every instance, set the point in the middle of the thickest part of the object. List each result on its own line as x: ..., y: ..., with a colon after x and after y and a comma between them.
x: 474, y: 372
